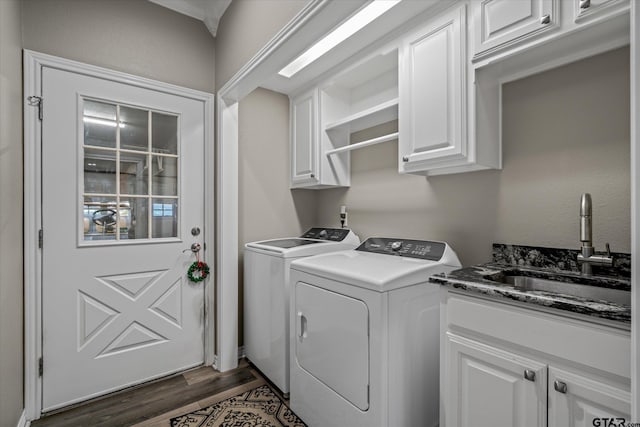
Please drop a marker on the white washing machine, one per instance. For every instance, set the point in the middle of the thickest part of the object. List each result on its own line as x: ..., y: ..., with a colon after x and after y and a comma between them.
x: 365, y: 334
x: 266, y: 295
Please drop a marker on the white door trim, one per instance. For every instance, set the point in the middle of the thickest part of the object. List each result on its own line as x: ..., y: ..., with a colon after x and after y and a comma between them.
x: 635, y: 210
x: 33, y: 64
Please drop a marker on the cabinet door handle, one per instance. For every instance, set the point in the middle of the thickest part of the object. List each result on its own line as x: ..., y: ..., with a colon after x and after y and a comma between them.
x: 405, y: 158
x: 585, y: 4
x: 529, y: 375
x: 546, y: 19
x: 560, y: 386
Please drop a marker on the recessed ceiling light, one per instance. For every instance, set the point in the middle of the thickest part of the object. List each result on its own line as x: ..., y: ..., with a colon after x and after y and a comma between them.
x: 340, y: 34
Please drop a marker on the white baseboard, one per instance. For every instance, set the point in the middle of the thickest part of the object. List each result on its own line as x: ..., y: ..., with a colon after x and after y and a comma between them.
x: 22, y: 422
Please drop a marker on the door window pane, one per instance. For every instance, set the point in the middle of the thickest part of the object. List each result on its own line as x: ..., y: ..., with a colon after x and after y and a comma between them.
x: 100, y: 217
x: 164, y: 131
x: 99, y: 171
x: 137, y: 219
x: 130, y: 183
x: 165, y: 176
x: 165, y: 218
x: 134, y: 173
x: 99, y: 119
x: 134, y: 129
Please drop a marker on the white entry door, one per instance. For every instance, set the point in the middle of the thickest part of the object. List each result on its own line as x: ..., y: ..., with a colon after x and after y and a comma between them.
x: 123, y: 195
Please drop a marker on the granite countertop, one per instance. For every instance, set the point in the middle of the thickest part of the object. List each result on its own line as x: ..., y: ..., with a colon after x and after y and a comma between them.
x: 478, y: 280
x: 486, y: 280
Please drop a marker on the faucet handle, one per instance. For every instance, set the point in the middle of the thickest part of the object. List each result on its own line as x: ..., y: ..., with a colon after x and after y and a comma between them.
x: 608, y: 249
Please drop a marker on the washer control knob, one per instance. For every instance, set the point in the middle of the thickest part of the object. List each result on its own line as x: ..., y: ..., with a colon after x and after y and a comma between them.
x: 323, y: 234
x: 395, y: 246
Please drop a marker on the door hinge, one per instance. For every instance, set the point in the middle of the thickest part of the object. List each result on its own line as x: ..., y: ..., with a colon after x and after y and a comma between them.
x: 40, y: 367
x: 40, y: 238
x: 36, y: 101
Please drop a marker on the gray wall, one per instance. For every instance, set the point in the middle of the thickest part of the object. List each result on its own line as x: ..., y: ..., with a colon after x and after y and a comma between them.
x: 134, y: 36
x: 565, y: 132
x: 267, y: 208
x: 11, y: 335
x: 245, y: 27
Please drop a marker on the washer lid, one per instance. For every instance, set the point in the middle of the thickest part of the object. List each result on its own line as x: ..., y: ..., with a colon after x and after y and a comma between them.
x: 289, y: 243
x: 373, y: 271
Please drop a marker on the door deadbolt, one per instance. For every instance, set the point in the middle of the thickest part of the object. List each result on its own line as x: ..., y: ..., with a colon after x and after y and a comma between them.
x: 195, y: 231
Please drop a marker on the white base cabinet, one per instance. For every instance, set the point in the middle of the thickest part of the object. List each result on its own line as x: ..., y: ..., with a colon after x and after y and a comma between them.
x: 579, y: 401
x: 508, y: 365
x: 492, y: 387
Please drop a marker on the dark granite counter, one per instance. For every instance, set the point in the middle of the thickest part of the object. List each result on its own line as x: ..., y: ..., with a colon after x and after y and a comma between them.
x: 488, y: 280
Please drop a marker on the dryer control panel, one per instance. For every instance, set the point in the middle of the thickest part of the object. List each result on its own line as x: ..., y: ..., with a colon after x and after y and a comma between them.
x: 332, y: 234
x: 422, y: 249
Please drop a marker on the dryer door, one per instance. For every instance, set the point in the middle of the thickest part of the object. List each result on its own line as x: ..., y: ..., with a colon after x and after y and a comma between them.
x: 332, y: 341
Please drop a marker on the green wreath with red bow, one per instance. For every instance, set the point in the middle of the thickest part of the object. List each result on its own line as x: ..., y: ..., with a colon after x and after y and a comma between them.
x: 198, y: 271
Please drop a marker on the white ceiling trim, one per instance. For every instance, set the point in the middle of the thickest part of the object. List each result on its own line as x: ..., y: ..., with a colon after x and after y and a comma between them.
x: 207, y: 11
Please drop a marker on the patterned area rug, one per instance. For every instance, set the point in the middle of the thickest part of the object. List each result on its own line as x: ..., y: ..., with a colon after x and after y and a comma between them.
x: 259, y: 407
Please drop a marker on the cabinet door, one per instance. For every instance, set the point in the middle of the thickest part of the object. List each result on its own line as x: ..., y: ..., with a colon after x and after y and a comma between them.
x: 575, y: 400
x: 432, y: 94
x: 304, y: 139
x: 591, y: 9
x: 493, y: 387
x: 498, y: 22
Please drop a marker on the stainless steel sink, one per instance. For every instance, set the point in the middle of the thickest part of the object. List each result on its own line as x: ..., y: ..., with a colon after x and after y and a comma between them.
x: 527, y: 283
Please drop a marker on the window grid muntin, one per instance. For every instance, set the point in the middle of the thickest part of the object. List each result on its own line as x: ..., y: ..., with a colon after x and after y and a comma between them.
x: 149, y: 156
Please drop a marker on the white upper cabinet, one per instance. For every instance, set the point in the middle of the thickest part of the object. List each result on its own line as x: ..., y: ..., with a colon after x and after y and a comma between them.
x: 437, y: 101
x: 440, y: 76
x: 323, y: 119
x: 500, y: 23
x: 586, y: 10
x: 304, y: 139
x: 432, y: 110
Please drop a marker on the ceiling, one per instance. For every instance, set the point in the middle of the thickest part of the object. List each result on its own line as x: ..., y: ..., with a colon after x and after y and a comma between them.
x: 207, y: 11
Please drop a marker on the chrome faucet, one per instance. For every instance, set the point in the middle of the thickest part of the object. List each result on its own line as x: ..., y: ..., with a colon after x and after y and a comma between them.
x: 587, y: 256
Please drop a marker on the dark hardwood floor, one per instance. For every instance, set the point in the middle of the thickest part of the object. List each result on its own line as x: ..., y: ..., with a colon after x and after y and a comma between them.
x: 154, y: 404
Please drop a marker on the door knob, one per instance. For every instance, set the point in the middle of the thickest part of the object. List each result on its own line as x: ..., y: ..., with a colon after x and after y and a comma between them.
x: 195, y: 248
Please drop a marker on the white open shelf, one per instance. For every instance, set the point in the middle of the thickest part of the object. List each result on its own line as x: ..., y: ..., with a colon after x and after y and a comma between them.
x: 370, y: 117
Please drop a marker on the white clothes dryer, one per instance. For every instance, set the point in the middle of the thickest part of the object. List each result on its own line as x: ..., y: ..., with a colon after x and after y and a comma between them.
x: 266, y: 295
x: 365, y: 334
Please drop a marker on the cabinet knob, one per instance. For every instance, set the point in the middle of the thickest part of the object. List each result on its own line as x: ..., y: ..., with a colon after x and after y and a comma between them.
x: 312, y: 176
x: 546, y: 19
x: 560, y: 386
x: 529, y: 375
x: 585, y: 4
x: 405, y: 158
